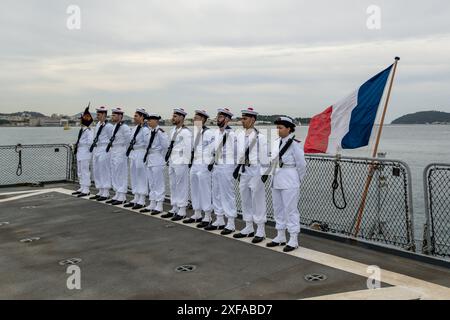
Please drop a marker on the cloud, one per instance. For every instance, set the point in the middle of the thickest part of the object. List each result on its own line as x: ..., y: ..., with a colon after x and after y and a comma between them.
x: 286, y: 56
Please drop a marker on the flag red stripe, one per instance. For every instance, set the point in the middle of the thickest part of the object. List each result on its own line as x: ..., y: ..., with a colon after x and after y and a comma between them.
x: 318, y: 133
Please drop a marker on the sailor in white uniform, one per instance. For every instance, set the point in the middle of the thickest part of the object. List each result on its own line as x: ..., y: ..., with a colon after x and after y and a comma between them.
x: 224, y: 199
x: 288, y: 168
x: 253, y: 161
x: 140, y: 135
x: 200, y: 176
x: 101, y: 165
x: 154, y: 161
x: 178, y: 157
x: 84, y: 141
x: 117, y: 147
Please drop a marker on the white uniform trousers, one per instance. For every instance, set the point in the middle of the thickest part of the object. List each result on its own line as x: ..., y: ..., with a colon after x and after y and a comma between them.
x: 201, y: 187
x: 285, y: 208
x: 84, y: 175
x: 138, y: 175
x: 253, y: 199
x: 119, y: 175
x: 101, y: 167
x: 156, y: 183
x: 179, y: 185
x: 224, y: 196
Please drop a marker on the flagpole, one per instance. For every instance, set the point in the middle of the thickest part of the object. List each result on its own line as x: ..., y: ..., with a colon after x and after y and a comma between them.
x: 374, y: 154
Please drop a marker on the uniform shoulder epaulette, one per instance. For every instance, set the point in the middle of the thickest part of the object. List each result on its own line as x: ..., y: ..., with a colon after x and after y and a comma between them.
x: 161, y: 130
x: 296, y: 140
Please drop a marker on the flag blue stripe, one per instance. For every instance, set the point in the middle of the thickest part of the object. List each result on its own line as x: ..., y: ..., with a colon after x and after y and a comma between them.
x: 364, y: 114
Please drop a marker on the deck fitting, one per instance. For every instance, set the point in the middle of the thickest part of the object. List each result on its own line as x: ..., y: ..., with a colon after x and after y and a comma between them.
x: 185, y: 268
x: 71, y: 261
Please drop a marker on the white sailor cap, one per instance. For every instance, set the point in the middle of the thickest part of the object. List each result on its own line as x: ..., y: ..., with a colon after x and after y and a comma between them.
x: 285, y: 121
x: 202, y: 113
x: 141, y: 111
x: 249, y: 111
x: 117, y: 110
x: 180, y: 111
x: 225, y: 111
x: 153, y: 116
x: 102, y: 109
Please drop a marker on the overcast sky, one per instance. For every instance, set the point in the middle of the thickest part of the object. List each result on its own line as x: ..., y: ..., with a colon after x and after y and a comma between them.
x: 279, y: 56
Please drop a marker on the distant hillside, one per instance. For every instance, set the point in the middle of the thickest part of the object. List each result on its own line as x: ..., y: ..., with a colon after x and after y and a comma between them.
x: 29, y: 113
x: 424, y: 117
x: 272, y: 118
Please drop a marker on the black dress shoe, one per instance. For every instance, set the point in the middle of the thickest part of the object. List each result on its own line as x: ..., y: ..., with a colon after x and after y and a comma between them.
x: 110, y: 201
x: 240, y: 235
x: 116, y: 202
x: 82, y: 195
x: 226, y: 232
x: 94, y: 197
x: 167, y: 215
x: 275, y: 244
x: 102, y: 198
x: 212, y: 227
x: 137, y: 207
x: 288, y: 248
x: 145, y: 210
x: 155, y: 212
x: 191, y: 220
x: 203, y: 224
x: 258, y: 239
x: 177, y: 218
x: 76, y: 193
x: 129, y: 205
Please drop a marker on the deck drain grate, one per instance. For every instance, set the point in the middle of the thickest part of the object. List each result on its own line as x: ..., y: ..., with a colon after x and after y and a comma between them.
x: 29, y: 240
x: 71, y: 261
x: 315, y: 277
x: 185, y: 268
x: 5, y: 223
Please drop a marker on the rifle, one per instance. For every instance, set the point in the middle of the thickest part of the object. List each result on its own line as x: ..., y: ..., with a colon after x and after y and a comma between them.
x: 283, y: 150
x: 246, y: 159
x: 94, y: 144
x: 108, y: 147
x: 133, y: 141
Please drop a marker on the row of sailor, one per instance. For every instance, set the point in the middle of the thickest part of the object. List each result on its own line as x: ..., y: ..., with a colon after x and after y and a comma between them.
x: 208, y: 161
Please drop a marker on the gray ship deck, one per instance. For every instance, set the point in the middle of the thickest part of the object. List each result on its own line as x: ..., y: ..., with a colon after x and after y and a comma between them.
x: 128, y: 255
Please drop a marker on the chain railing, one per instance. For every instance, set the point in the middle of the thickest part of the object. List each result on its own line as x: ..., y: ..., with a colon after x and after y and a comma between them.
x: 33, y: 164
x: 436, y: 179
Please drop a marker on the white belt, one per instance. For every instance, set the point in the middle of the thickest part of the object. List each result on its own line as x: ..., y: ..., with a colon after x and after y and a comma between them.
x: 118, y: 145
x: 287, y: 166
x: 83, y: 145
x: 102, y: 144
x: 139, y: 148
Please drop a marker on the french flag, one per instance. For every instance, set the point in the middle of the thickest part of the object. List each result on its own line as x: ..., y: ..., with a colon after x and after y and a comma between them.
x: 347, y: 124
